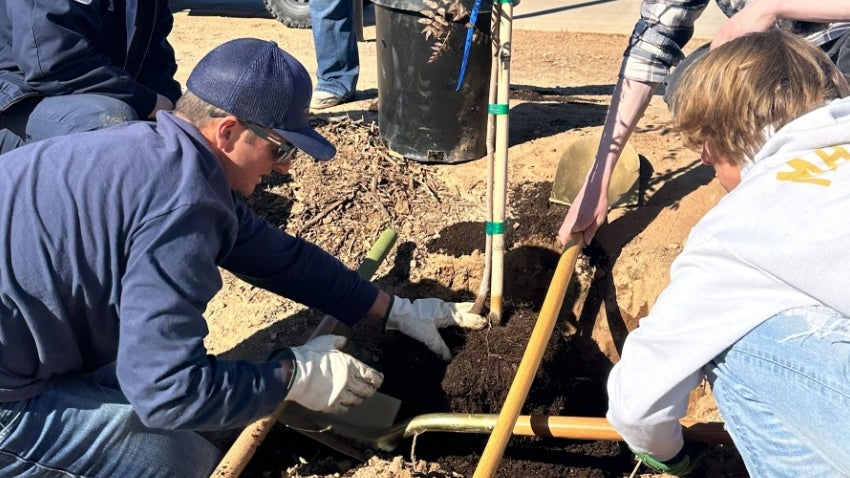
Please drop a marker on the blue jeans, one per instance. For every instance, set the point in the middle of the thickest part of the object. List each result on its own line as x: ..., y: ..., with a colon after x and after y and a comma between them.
x: 39, y: 118
x: 336, y: 46
x: 784, y: 393
x: 84, y: 427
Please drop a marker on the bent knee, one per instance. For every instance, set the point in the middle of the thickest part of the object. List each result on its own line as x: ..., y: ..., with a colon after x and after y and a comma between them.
x: 77, y: 113
x: 107, y: 112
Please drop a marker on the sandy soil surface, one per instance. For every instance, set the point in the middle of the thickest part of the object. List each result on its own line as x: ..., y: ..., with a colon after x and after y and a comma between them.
x: 560, y: 88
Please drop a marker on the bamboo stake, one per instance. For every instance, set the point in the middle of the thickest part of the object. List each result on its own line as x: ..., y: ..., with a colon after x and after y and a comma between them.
x: 240, y: 453
x: 500, y: 178
x: 530, y: 359
x: 484, y: 287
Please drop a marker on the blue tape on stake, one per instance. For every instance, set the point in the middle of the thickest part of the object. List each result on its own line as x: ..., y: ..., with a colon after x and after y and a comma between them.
x: 497, y: 109
x: 493, y: 228
x: 473, y: 17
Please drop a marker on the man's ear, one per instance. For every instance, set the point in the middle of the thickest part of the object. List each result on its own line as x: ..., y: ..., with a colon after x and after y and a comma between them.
x: 224, y: 132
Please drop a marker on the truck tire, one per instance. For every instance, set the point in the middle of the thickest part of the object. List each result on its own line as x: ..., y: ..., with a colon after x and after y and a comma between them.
x: 292, y: 13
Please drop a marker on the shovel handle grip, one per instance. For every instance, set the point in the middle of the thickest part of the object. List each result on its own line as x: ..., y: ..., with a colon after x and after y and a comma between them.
x: 246, y: 444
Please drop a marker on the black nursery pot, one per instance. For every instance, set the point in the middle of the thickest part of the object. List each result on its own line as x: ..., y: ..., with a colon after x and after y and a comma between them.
x: 422, y: 116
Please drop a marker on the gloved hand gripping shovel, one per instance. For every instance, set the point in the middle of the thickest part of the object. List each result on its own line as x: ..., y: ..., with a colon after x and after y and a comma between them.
x: 379, y: 410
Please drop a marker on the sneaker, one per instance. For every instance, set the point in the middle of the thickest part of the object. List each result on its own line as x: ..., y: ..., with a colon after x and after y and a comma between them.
x: 324, y: 99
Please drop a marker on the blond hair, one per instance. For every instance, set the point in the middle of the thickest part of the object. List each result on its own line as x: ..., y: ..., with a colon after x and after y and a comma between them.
x: 761, y: 80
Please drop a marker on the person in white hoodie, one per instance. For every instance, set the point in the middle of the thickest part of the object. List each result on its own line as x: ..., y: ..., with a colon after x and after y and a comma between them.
x: 759, y: 299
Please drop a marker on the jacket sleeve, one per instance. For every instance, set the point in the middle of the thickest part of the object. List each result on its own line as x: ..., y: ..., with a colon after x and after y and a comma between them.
x: 158, y: 62
x: 162, y: 364
x: 270, y: 258
x: 52, y: 47
x: 664, y: 27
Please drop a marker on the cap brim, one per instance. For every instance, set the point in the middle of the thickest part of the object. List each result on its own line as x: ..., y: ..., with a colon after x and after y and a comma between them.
x: 311, y: 142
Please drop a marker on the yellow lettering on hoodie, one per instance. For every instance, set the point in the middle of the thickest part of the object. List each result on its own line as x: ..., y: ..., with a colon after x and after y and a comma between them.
x: 805, y: 171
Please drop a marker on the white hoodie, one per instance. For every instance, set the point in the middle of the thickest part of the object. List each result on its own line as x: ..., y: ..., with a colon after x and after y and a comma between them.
x: 779, y: 240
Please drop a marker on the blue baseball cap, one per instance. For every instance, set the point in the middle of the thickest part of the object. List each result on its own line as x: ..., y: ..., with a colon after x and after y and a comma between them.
x: 256, y: 81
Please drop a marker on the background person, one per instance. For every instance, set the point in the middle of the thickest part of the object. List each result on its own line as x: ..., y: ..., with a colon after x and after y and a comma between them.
x: 80, y: 65
x: 337, y: 57
x: 113, y: 253
x: 655, y: 47
x: 757, y: 300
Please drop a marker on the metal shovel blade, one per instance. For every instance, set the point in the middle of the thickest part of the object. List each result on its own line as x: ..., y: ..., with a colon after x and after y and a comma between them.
x: 624, y: 189
x: 377, y: 412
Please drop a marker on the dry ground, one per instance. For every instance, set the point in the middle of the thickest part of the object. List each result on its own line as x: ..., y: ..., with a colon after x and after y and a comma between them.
x: 561, y: 84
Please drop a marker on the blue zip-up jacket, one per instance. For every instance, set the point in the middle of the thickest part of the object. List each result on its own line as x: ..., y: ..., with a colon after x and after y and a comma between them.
x: 109, y: 247
x: 117, y: 48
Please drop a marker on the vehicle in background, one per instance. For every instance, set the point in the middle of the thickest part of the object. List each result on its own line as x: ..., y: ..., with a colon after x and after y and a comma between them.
x: 292, y: 13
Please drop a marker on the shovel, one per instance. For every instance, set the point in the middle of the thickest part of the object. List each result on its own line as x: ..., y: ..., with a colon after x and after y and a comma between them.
x: 362, y: 438
x: 380, y: 409
x: 577, y: 161
x: 531, y: 358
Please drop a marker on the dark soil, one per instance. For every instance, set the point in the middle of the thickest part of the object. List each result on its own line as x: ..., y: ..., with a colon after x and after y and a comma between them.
x: 359, y: 194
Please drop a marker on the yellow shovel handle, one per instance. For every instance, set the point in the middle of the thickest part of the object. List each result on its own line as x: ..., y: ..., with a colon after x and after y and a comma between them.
x: 530, y: 360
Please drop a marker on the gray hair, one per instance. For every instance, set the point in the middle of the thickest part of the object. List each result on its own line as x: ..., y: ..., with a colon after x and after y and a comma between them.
x: 196, y: 110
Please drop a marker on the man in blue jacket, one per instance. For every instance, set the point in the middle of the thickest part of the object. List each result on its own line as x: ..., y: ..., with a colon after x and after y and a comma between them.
x: 112, y: 241
x: 80, y: 65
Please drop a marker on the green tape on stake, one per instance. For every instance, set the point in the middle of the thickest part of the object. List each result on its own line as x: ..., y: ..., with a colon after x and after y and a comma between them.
x: 505, y: 1
x: 493, y: 228
x: 497, y: 109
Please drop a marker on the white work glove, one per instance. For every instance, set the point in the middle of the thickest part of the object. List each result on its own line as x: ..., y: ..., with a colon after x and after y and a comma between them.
x: 421, y: 318
x: 328, y: 380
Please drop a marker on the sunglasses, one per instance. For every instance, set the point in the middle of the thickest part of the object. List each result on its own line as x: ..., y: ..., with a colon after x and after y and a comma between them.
x: 284, y: 150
